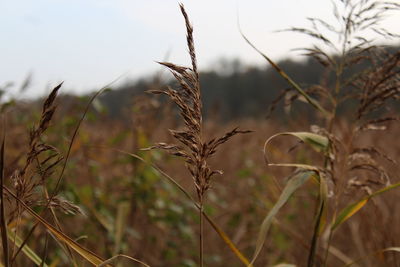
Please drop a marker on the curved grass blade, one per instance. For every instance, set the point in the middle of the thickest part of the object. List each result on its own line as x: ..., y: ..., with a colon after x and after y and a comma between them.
x: 394, y: 249
x: 296, y: 165
x: 226, y: 239
x: 85, y: 253
x: 285, y: 76
x: 110, y: 260
x: 339, y: 255
x: 26, y: 249
x: 293, y: 184
x: 350, y: 210
x: 318, y: 142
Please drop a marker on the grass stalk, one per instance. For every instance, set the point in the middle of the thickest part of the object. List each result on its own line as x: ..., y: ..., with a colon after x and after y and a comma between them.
x: 201, y: 235
x: 3, y: 224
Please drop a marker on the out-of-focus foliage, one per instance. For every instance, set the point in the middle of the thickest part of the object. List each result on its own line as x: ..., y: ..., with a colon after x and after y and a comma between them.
x: 243, y: 91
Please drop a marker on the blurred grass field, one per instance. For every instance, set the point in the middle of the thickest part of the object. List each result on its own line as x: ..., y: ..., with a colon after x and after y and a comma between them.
x: 81, y: 187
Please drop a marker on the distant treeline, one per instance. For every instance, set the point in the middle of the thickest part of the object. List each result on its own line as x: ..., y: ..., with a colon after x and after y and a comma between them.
x: 233, y: 90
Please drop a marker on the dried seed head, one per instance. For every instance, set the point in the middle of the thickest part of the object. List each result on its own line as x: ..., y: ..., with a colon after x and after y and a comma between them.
x: 187, y: 98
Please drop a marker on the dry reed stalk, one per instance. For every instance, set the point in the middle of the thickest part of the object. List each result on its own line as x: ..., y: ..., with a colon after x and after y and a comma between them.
x: 193, y: 149
x: 41, y: 162
x: 26, y: 180
x: 3, y: 225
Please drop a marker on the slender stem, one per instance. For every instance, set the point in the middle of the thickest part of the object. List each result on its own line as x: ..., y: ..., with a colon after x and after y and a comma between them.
x: 201, y: 245
x: 338, y: 86
x: 328, y: 242
x: 3, y: 224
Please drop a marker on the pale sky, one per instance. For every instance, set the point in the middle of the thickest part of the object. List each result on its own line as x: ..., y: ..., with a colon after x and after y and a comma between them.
x: 88, y: 43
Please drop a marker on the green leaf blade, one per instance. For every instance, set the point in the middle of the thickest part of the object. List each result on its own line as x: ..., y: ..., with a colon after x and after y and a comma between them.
x: 293, y: 184
x: 353, y: 208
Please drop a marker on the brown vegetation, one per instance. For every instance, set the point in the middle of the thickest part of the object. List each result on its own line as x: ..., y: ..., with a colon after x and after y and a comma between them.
x: 78, y: 187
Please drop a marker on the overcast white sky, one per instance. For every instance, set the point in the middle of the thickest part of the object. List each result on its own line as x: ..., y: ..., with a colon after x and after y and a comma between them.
x: 88, y: 43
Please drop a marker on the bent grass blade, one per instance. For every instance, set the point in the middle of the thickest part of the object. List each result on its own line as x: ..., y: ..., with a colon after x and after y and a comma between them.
x: 313, y: 102
x: 26, y: 249
x: 318, y: 142
x: 352, y: 209
x: 293, y: 184
x: 85, y: 253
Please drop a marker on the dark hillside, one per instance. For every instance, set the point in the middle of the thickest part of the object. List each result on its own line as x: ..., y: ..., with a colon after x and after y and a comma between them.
x: 240, y: 92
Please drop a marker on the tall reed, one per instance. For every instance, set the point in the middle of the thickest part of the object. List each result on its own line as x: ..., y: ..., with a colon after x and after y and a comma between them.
x: 193, y: 149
